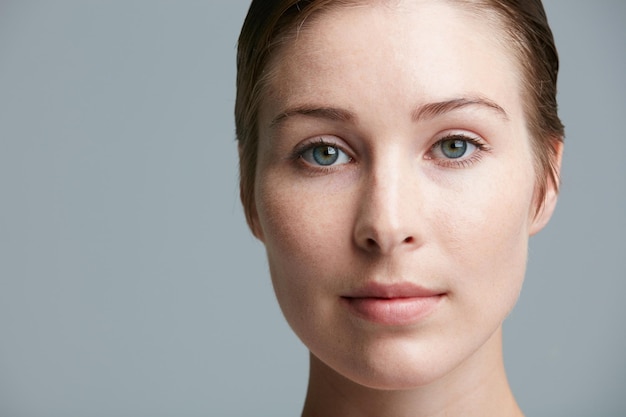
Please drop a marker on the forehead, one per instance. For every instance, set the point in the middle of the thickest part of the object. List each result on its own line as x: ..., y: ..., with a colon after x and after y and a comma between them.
x: 417, y: 50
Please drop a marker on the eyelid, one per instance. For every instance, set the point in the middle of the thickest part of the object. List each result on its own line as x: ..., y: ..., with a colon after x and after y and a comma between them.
x: 462, y: 134
x: 319, y: 140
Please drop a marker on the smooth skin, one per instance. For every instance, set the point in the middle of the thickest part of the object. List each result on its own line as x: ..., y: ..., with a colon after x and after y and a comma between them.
x: 393, y: 149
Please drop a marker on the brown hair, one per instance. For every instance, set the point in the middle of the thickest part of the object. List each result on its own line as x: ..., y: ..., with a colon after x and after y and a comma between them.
x: 269, y: 24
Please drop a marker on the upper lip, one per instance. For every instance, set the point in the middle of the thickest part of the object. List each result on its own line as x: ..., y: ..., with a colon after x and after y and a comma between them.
x: 393, y: 290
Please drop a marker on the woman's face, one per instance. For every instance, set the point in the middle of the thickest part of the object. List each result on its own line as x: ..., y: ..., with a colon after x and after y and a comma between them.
x: 394, y: 189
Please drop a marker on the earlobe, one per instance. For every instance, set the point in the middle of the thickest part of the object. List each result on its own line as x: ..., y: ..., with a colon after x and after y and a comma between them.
x: 252, y: 215
x: 254, y: 224
x: 547, y: 206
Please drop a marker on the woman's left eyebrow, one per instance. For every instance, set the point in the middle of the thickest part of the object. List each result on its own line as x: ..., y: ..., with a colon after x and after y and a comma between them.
x: 431, y: 110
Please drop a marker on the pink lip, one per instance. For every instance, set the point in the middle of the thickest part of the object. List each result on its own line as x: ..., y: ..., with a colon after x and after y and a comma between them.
x: 393, y: 305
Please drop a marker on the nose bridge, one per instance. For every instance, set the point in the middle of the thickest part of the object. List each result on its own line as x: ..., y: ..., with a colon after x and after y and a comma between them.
x: 384, y: 186
x: 386, y: 218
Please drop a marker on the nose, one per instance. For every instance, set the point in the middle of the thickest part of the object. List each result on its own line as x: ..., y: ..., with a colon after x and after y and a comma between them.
x: 388, y: 216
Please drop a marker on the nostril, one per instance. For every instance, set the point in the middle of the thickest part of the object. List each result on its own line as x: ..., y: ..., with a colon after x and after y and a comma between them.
x: 387, y: 243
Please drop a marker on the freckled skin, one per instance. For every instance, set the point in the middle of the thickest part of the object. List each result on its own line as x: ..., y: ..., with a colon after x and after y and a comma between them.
x: 397, y: 211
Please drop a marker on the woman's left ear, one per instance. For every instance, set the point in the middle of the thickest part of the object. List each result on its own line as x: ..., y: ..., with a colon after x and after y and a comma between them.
x: 547, y: 206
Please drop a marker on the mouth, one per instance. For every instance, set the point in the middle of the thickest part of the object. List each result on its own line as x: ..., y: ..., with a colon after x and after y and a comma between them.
x: 393, y: 305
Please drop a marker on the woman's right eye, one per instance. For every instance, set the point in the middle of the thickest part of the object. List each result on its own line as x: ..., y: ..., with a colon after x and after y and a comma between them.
x: 324, y: 155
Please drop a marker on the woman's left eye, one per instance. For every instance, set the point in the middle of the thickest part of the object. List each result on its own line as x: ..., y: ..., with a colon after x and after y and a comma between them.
x: 456, y: 147
x: 323, y: 154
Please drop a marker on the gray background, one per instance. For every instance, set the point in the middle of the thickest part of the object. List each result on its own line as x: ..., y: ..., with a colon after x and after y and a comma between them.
x: 129, y: 284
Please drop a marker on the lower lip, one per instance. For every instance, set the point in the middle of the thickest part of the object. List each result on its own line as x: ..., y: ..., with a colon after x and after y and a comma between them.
x: 393, y: 311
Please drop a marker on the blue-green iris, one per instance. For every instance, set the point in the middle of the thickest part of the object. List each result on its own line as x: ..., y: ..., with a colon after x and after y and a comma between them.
x: 325, y: 155
x: 454, y: 148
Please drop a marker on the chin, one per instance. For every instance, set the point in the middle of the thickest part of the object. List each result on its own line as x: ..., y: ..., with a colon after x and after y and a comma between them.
x: 394, y: 379
x: 393, y: 364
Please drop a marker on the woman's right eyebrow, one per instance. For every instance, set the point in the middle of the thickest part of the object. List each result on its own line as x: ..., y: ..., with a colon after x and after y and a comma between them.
x: 318, y: 112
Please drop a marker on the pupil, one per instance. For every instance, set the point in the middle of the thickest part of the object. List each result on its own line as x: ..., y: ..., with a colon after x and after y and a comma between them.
x: 325, y: 155
x: 454, y: 148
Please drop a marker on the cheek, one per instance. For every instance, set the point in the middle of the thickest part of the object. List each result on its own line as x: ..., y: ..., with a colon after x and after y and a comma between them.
x: 487, y: 238
x: 306, y: 233
x: 299, y: 221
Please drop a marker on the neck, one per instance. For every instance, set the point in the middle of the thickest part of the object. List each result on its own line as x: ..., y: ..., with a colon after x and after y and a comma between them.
x: 476, y: 388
